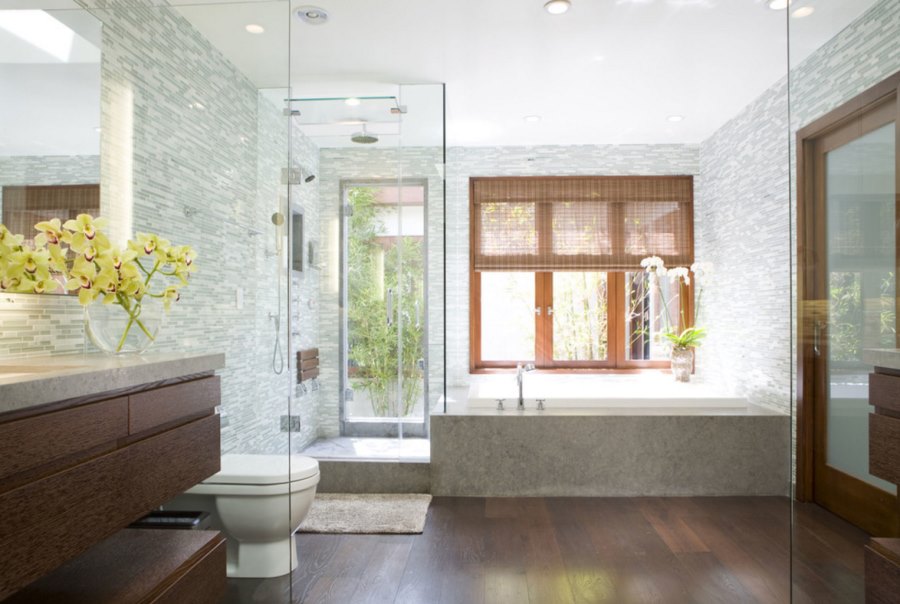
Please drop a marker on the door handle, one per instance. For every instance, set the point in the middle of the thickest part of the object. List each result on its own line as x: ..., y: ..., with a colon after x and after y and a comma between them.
x: 390, y: 306
x: 817, y: 332
x: 549, y: 311
x: 418, y: 315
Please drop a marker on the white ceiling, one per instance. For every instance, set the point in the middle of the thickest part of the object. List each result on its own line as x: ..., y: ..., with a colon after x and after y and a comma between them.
x: 608, y: 71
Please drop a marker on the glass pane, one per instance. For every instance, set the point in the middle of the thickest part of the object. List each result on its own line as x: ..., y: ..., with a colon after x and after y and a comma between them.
x: 647, y: 316
x: 861, y: 271
x: 580, y: 316
x: 507, y: 316
x: 372, y: 293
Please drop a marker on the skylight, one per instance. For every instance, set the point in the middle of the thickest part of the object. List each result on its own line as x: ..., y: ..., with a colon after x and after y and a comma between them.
x: 39, y: 29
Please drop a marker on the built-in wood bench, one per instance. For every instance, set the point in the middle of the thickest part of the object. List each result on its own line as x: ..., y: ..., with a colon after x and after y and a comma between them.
x: 137, y: 566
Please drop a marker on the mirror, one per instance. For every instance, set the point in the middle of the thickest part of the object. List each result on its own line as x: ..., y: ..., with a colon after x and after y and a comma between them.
x: 49, y: 116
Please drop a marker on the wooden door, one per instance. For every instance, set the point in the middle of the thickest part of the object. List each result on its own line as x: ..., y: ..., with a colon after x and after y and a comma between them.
x: 848, y: 301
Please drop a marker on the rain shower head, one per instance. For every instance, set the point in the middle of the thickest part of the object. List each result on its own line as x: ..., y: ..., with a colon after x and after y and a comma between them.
x: 364, y: 138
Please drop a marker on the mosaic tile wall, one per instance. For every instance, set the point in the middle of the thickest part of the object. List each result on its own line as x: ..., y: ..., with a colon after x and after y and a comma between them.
x: 747, y: 180
x: 463, y: 163
x: 194, y: 152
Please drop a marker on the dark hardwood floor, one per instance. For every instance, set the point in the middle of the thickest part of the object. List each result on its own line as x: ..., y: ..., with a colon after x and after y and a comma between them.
x: 549, y: 550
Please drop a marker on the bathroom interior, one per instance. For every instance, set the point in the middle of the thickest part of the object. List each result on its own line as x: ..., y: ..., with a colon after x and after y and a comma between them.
x: 370, y: 189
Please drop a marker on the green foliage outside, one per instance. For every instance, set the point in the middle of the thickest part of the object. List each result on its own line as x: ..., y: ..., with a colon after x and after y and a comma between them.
x: 850, y: 329
x: 374, y: 346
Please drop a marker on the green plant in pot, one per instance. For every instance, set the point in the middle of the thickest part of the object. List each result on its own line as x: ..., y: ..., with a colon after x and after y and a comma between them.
x: 682, y: 341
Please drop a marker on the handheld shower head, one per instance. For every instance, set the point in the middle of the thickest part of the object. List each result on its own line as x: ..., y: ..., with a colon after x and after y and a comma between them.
x: 309, y: 178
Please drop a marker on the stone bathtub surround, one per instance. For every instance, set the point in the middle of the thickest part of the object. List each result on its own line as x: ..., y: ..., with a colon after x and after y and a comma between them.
x: 34, y: 381
x: 611, y: 453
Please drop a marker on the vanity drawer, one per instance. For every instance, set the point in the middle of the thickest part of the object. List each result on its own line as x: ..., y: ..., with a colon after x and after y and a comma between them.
x: 147, y: 410
x: 884, y: 447
x: 47, y: 522
x: 48, y: 439
x: 884, y: 391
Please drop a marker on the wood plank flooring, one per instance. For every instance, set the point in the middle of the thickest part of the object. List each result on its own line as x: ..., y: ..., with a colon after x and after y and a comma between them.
x: 574, y: 550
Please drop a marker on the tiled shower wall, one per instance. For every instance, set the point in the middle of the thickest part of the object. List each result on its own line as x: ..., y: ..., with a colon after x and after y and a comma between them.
x: 465, y: 162
x: 194, y: 152
x: 745, y: 182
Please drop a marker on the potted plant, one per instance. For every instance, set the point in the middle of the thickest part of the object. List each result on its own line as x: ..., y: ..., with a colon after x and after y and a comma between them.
x: 683, y: 341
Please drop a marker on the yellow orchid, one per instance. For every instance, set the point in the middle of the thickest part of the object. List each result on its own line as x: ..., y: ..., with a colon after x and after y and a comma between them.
x: 31, y: 264
x: 148, y: 243
x: 94, y: 268
x: 50, y: 232
x: 81, y: 234
x: 9, y: 242
x: 39, y: 286
x: 170, y: 295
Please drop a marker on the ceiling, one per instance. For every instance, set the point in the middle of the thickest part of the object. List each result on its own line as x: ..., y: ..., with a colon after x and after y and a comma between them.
x: 608, y: 71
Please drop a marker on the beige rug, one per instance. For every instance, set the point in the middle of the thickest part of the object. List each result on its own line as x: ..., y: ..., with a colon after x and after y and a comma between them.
x: 339, y: 513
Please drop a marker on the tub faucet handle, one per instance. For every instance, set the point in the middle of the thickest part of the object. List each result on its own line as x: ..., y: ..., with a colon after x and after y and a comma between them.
x: 500, y: 404
x: 540, y: 404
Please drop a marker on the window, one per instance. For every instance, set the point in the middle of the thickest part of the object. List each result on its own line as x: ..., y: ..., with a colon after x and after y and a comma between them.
x: 555, y: 269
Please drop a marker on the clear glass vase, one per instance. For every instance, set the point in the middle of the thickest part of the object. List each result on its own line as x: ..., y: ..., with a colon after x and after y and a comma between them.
x: 114, y: 330
x: 682, y: 363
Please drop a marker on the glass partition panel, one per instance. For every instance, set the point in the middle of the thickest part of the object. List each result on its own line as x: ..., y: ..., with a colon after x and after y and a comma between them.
x: 843, y: 89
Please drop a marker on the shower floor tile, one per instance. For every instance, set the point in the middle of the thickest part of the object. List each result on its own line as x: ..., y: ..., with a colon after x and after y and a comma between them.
x: 345, y: 447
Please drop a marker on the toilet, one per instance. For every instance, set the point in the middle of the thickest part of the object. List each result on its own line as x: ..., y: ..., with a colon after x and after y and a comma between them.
x: 248, y: 500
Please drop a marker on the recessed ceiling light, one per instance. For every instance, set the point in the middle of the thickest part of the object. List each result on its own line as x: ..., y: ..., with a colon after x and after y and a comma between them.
x: 803, y: 11
x: 598, y: 58
x: 352, y: 101
x: 778, y: 4
x: 557, y: 7
x: 532, y: 119
x: 675, y: 118
x: 312, y: 15
x: 254, y: 28
x: 98, y: 129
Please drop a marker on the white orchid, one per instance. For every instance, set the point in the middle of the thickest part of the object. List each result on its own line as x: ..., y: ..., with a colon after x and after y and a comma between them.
x: 654, y: 264
x: 680, y: 272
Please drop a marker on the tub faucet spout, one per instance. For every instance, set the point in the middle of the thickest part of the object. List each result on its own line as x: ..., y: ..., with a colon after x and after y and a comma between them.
x: 520, y: 378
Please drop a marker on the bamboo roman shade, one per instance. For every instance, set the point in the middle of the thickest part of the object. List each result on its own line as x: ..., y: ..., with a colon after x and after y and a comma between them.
x: 580, y: 222
x: 24, y: 206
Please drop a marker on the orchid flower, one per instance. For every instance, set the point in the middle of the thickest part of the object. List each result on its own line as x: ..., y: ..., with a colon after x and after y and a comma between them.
x: 50, y: 232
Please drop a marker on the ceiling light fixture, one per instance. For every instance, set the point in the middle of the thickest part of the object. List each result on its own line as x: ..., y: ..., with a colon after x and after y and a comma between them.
x: 312, y: 15
x: 803, y: 11
x: 675, y: 118
x: 352, y: 101
x: 557, y: 7
x: 778, y: 4
x: 254, y: 28
x: 532, y: 119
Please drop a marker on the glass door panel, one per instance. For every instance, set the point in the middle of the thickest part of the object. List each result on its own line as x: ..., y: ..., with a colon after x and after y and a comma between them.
x: 860, y: 200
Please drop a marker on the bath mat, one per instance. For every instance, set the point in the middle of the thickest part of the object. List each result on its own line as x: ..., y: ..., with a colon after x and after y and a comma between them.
x: 365, y: 513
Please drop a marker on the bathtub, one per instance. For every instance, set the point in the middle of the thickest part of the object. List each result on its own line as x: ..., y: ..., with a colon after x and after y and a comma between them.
x: 592, y: 394
x: 624, y: 436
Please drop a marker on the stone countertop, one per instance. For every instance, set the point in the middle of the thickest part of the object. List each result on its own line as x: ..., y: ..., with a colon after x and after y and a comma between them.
x: 33, y: 381
x: 889, y: 358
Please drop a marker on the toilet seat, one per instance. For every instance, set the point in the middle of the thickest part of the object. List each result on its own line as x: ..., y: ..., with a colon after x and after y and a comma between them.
x: 260, y: 475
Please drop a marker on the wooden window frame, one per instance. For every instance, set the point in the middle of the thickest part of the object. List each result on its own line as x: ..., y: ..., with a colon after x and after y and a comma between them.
x: 616, y: 336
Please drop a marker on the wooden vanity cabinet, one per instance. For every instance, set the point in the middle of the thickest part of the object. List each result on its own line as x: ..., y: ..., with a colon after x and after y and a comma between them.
x: 75, y: 473
x: 882, y: 556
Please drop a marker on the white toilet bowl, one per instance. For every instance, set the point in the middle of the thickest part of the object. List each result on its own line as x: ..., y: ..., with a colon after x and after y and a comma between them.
x: 248, y: 500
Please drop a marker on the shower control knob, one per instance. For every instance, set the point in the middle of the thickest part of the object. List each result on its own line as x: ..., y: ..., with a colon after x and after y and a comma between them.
x: 540, y: 404
x: 500, y: 404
